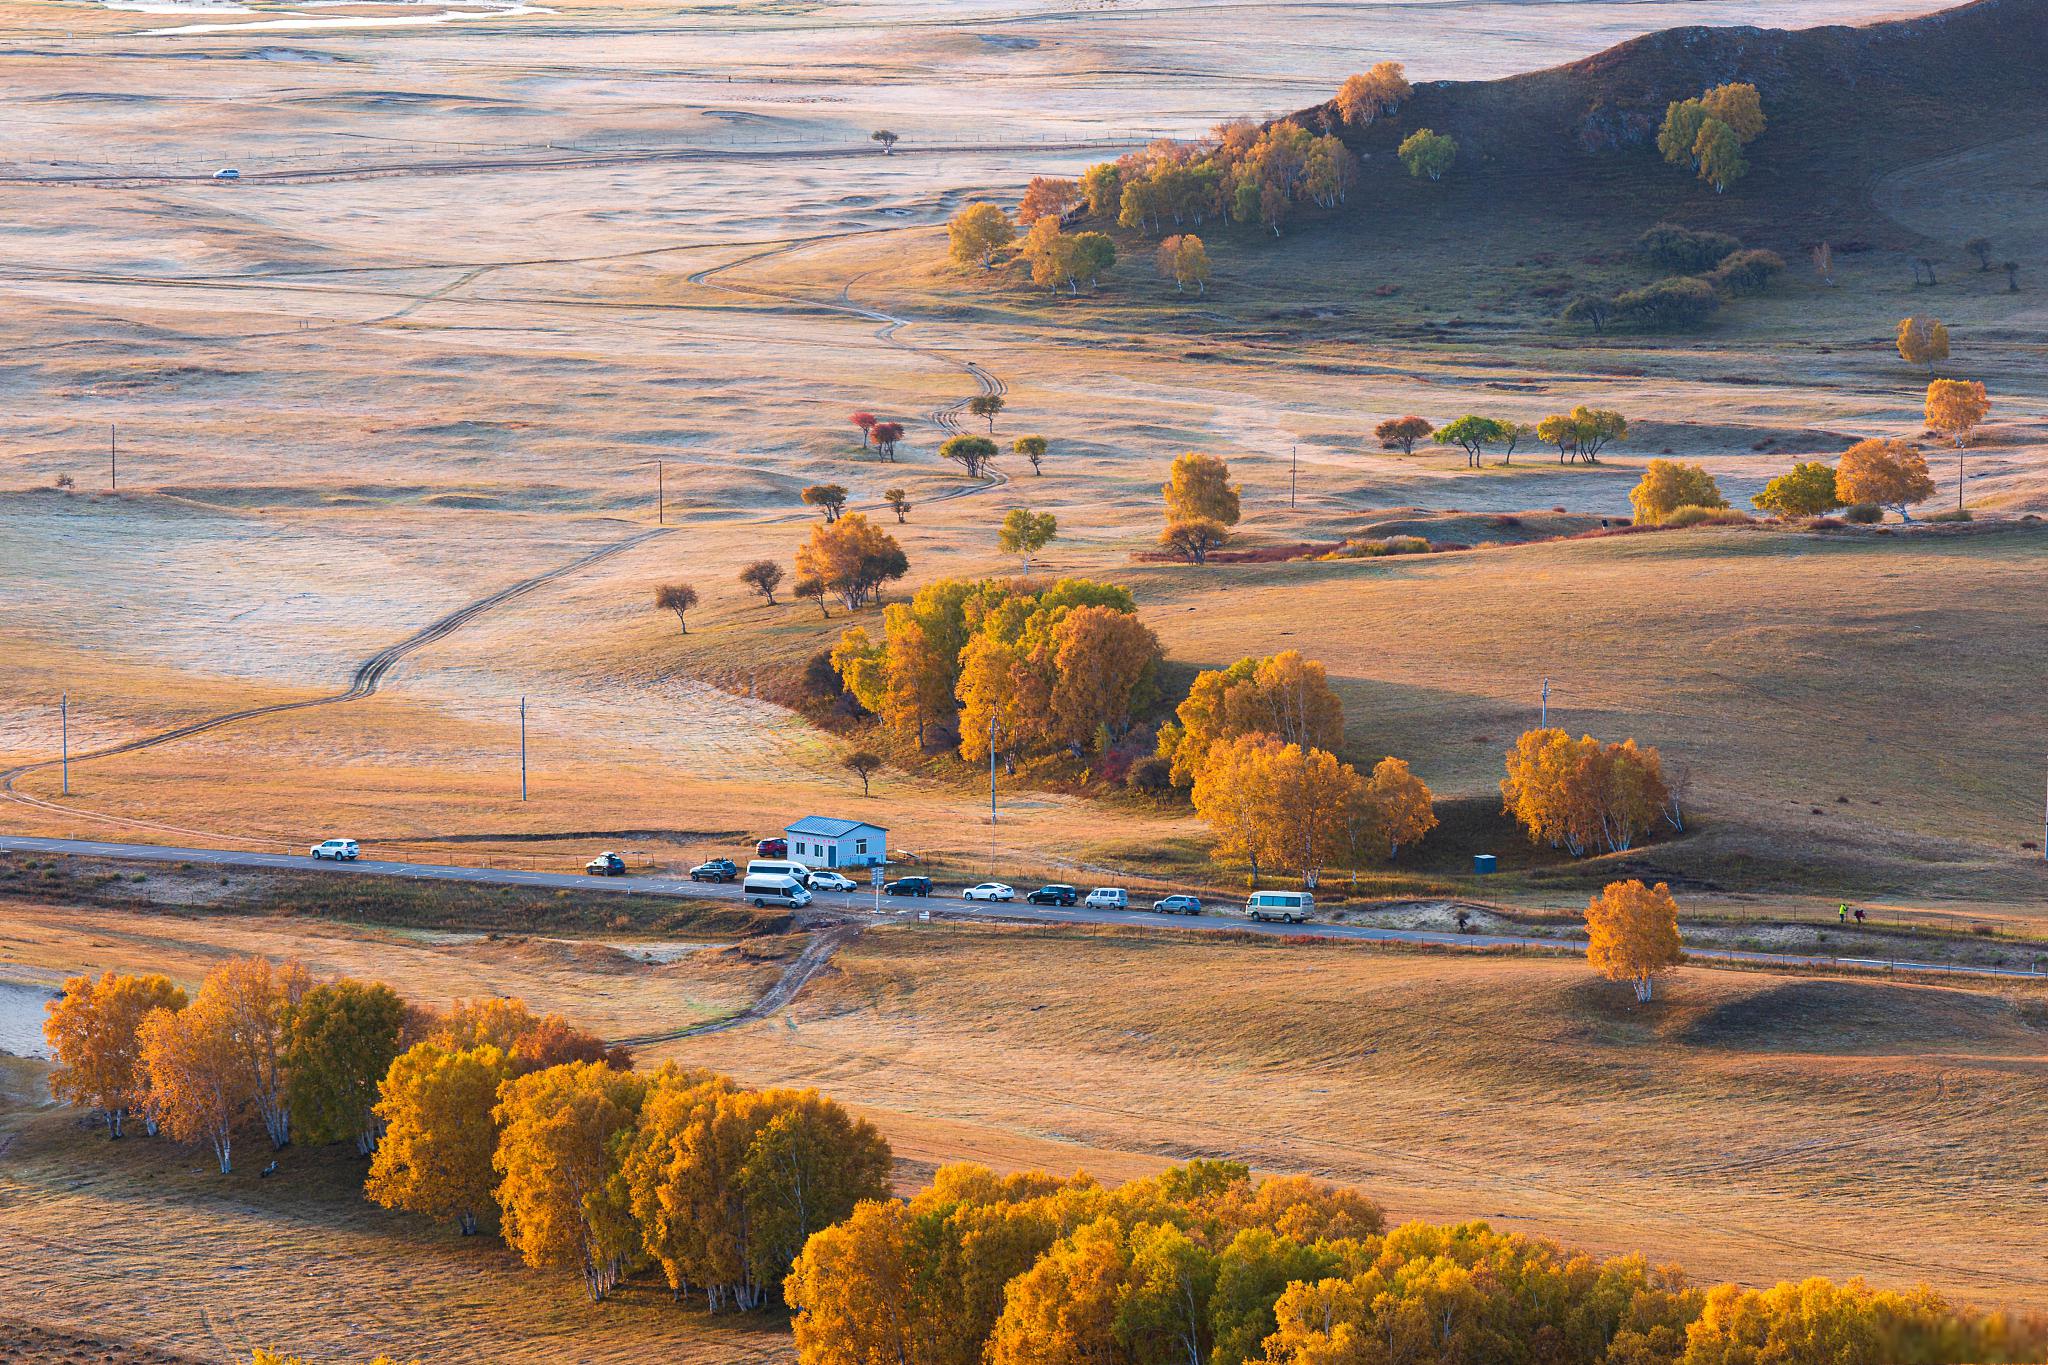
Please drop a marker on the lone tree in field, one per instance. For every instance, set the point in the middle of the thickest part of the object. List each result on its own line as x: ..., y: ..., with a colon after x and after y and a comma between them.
x: 1193, y: 540
x: 1025, y: 532
x: 978, y: 232
x: 1668, y: 485
x: 975, y: 454
x: 1980, y: 247
x: 887, y: 139
x: 1426, y: 152
x: 92, y: 1032
x: 1922, y: 341
x: 1373, y: 93
x: 1472, y: 432
x: 899, y: 503
x: 886, y: 435
x: 678, y: 598
x: 1886, y: 473
x: 1808, y: 490
x: 1198, y: 488
x: 829, y: 498
x: 1031, y: 448
x: 866, y: 422
x: 1401, y: 433
x: 862, y: 764
x: 764, y: 576
x: 987, y: 406
x: 1955, y: 407
x: 1632, y: 934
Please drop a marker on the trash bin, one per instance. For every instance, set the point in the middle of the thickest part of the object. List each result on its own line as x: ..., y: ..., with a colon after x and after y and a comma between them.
x: 1482, y: 864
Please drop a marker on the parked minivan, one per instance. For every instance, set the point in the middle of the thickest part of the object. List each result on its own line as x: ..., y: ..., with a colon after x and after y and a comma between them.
x: 775, y: 888
x: 1108, y: 898
x: 780, y: 867
x: 1289, y: 907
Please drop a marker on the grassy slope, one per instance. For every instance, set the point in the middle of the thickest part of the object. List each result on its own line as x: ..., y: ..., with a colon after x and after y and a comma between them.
x: 1747, y: 1126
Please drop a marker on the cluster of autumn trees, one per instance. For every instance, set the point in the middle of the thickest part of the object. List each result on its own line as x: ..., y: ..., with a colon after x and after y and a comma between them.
x: 485, y: 1111
x: 1065, y: 667
x: 1256, y: 743
x: 1580, y: 794
x: 1203, y: 1265
x: 1707, y: 133
x: 1578, y: 435
x: 848, y: 557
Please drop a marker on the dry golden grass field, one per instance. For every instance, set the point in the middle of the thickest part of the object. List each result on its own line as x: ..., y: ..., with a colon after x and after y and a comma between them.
x: 488, y: 262
x: 1748, y: 1125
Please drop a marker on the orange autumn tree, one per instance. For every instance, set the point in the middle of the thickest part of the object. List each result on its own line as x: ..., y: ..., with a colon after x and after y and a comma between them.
x: 198, y: 1088
x: 439, y: 1134
x: 1273, y: 805
x: 92, y: 1031
x: 1394, y: 808
x: 1284, y: 695
x: 560, y: 1137
x: 1955, y: 407
x: 256, y: 998
x: 1632, y: 934
x: 1885, y: 472
x: 1576, y: 794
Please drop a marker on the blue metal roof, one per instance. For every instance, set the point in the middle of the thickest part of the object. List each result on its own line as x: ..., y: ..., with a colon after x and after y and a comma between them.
x: 827, y: 828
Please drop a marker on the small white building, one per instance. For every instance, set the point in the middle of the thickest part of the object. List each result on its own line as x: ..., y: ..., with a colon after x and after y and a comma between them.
x: 821, y: 841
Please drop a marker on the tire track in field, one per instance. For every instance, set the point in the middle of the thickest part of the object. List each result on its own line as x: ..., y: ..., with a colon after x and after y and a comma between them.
x: 816, y: 956
x: 370, y: 673
x: 368, y: 676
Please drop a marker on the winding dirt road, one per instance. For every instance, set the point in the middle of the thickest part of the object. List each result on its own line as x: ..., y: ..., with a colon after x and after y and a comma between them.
x: 370, y: 673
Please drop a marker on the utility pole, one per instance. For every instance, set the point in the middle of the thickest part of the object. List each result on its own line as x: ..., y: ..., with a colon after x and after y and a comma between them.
x: 1293, y: 471
x: 991, y: 772
x: 64, y: 721
x: 113, y: 461
x: 1546, y: 704
x: 522, y: 748
x: 660, y: 493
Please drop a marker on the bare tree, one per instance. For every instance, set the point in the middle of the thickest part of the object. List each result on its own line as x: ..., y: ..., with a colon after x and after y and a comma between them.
x: 862, y: 764
x: 1980, y: 247
x: 678, y: 598
x: 764, y: 576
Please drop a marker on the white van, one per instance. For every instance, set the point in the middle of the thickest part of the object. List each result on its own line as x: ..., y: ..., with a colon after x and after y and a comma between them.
x: 1108, y: 898
x: 774, y: 888
x: 780, y: 867
x: 1289, y: 907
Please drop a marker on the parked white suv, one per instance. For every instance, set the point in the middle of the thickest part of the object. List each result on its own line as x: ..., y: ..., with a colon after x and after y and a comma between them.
x: 341, y: 850
x: 831, y: 881
x: 1108, y: 898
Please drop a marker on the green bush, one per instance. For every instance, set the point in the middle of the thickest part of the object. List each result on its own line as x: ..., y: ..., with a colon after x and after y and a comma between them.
x: 1681, y: 301
x: 1684, y: 250
x: 1953, y: 514
x: 1863, y: 513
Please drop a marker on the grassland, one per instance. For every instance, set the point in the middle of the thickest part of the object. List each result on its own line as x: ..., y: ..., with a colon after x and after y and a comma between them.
x: 1747, y: 1125
x: 429, y: 347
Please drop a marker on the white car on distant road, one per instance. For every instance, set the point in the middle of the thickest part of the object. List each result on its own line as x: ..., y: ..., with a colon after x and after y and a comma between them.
x: 341, y: 850
x: 989, y: 891
x: 227, y: 173
x: 831, y: 881
x: 1108, y: 898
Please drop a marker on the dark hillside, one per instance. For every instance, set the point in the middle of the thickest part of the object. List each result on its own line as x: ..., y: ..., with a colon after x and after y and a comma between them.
x: 1845, y: 106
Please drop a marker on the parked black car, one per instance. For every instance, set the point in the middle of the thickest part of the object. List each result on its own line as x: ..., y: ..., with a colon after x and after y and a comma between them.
x: 909, y: 886
x: 717, y: 870
x: 1057, y: 893
x: 606, y: 865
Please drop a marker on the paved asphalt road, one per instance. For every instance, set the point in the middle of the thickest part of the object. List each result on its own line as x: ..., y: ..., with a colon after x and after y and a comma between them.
x: 865, y: 901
